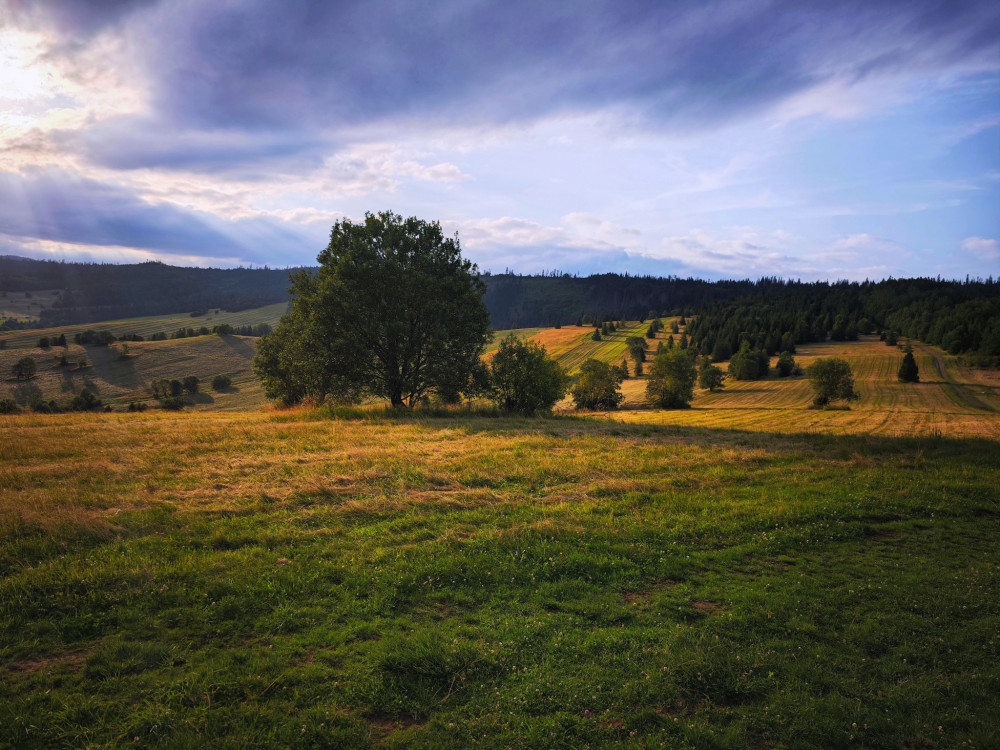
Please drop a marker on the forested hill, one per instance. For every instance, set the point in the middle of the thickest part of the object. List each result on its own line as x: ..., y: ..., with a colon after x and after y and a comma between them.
x: 104, y: 291
x: 960, y: 316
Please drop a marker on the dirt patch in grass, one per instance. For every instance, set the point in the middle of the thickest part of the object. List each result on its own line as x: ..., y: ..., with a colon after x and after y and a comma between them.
x: 387, y: 724
x: 73, y: 660
x: 709, y: 608
x: 638, y: 597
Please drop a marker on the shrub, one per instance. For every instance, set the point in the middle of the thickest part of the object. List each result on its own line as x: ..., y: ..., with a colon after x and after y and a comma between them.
x: 8, y: 406
x: 785, y: 365
x: 671, y: 379
x: 43, y: 342
x: 173, y: 403
x: 221, y: 382
x: 190, y: 384
x: 85, y: 401
x: 524, y: 378
x: 596, y: 336
x: 832, y: 380
x: 599, y: 386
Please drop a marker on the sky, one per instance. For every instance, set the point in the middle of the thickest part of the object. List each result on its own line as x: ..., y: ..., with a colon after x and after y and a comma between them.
x: 812, y: 140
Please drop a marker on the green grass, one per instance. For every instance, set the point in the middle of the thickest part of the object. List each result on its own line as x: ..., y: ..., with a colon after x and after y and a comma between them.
x: 304, y: 579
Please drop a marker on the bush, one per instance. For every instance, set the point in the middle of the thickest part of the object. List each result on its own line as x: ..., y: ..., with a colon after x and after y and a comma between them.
x: 832, y: 380
x: 8, y: 406
x: 785, y: 365
x: 43, y: 342
x: 524, y: 378
x: 671, y: 379
x: 221, y: 382
x: 599, y: 386
x: 596, y: 336
x: 636, y: 348
x: 85, y: 401
x: 191, y: 384
x: 172, y: 403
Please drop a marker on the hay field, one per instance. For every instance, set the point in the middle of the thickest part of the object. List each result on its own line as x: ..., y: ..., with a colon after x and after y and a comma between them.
x: 147, y: 326
x: 120, y: 381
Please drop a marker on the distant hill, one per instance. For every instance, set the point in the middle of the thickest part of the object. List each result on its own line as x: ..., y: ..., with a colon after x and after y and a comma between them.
x: 93, y: 292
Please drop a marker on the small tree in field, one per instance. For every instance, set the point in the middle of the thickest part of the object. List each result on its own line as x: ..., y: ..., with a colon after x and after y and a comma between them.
x: 221, y: 382
x: 785, y: 365
x: 596, y: 335
x: 711, y: 378
x: 832, y: 380
x: 671, y: 379
x: 24, y: 368
x: 190, y: 384
x: 908, y: 372
x: 599, y: 386
x: 623, y: 368
x: 524, y: 378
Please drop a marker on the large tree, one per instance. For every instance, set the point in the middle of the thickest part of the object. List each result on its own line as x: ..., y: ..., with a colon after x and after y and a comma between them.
x: 832, y: 380
x: 393, y: 311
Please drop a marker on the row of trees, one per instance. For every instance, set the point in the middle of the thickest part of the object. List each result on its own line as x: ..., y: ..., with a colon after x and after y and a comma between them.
x: 394, y: 311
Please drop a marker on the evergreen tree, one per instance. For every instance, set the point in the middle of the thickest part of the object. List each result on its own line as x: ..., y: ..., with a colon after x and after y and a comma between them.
x: 908, y: 372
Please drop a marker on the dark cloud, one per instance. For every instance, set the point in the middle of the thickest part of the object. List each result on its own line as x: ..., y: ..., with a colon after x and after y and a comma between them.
x: 318, y: 64
x: 130, y: 142
x: 54, y: 205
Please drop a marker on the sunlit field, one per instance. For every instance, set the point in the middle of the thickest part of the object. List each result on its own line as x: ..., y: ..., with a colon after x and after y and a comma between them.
x: 748, y: 572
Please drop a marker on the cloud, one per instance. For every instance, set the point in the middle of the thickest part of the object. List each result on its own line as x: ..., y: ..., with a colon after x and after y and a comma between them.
x: 58, y: 207
x: 987, y: 249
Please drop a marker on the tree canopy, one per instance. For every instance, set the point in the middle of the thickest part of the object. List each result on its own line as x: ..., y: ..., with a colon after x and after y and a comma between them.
x: 393, y: 311
x: 832, y: 380
x: 599, y: 386
x: 524, y: 378
x: 671, y: 379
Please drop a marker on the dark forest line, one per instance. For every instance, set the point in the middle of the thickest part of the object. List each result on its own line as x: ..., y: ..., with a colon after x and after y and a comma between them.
x: 960, y: 316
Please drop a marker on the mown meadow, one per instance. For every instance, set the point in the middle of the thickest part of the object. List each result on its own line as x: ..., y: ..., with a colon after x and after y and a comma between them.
x: 353, y: 578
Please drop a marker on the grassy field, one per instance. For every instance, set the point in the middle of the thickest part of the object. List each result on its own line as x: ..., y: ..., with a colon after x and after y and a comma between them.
x: 309, y: 578
x: 147, y: 326
x: 26, y: 305
x: 119, y: 381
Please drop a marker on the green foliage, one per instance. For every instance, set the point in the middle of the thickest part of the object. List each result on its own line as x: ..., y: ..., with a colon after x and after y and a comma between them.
x: 785, y: 364
x: 636, y: 348
x: 599, y: 386
x: 393, y: 311
x: 832, y: 380
x: 671, y: 379
x: 221, y: 382
x: 749, y: 364
x: 596, y: 335
x: 711, y: 377
x: 43, y: 342
x: 190, y: 384
x: 721, y: 352
x: 891, y: 338
x: 85, y: 401
x: 8, y: 406
x: 172, y: 403
x: 24, y: 368
x: 908, y: 372
x: 524, y: 378
x: 623, y: 368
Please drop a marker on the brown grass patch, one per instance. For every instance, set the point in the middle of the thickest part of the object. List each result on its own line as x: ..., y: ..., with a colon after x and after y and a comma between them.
x: 71, y: 660
x: 707, y: 607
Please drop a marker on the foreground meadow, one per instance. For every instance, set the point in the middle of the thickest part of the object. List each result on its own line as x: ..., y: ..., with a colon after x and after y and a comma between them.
x: 352, y: 579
